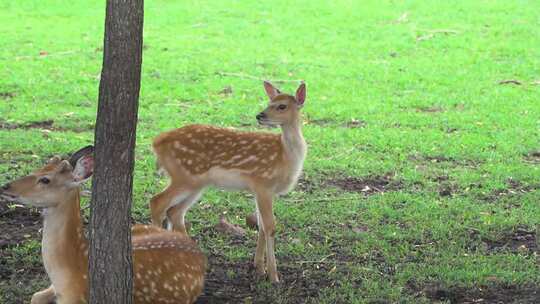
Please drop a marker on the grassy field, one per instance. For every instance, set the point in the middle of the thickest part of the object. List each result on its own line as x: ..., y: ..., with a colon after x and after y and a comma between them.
x: 422, y: 181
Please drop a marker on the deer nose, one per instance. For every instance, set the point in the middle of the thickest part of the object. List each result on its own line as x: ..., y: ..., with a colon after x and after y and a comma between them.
x: 5, y: 187
x: 261, y: 115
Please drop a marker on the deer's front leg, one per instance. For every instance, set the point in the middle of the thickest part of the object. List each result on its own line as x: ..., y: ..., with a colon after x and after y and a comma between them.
x: 264, y: 204
x: 261, y: 248
x: 46, y: 296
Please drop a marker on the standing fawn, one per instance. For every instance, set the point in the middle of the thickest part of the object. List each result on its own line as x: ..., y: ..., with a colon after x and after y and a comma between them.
x: 168, y: 267
x: 266, y: 164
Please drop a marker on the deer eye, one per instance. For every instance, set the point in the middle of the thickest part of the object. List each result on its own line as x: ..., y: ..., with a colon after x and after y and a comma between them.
x: 44, y: 180
x: 282, y: 107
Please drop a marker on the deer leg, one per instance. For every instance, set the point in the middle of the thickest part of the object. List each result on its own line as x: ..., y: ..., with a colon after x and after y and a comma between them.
x: 160, y: 203
x: 264, y: 204
x: 176, y: 214
x: 46, y: 296
x: 261, y: 247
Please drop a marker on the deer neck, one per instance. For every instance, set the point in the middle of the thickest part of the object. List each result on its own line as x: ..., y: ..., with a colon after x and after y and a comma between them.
x: 64, y: 247
x: 293, y: 142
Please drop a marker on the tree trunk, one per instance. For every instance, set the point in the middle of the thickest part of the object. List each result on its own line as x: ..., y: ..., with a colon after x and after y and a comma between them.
x: 110, y: 262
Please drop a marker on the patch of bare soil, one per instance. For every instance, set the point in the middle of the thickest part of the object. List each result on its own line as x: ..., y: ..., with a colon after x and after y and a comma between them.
x: 352, y: 124
x: 521, y: 240
x: 532, y: 157
x: 306, y: 185
x: 444, y: 160
x: 432, y: 109
x: 19, y: 279
x: 7, y: 95
x: 367, y: 185
x: 513, y: 187
x: 18, y: 224
x: 48, y: 125
x: 236, y: 282
x: 500, y: 294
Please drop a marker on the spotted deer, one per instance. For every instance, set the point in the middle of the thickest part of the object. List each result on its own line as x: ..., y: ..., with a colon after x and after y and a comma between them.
x: 168, y: 267
x: 266, y: 164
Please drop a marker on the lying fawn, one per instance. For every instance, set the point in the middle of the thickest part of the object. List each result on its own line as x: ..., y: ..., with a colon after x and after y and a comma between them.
x: 168, y: 267
x: 267, y: 164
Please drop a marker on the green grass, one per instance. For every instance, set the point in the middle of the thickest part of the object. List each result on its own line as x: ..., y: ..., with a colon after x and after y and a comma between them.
x: 422, y: 95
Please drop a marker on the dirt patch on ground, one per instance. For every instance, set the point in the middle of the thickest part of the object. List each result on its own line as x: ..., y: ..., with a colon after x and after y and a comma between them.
x: 307, y: 185
x: 366, y: 185
x: 352, y: 124
x: 18, y: 224
x: 431, y: 109
x: 532, y: 157
x: 513, y: 187
x: 445, y: 160
x: 48, y: 125
x: 236, y: 282
x: 504, y: 294
x: 7, y: 95
x: 19, y: 278
x: 521, y: 240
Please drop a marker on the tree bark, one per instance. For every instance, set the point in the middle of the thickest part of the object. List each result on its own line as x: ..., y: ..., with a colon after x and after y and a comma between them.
x: 110, y: 260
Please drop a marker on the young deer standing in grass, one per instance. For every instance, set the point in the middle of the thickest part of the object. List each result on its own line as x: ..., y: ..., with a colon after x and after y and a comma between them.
x: 267, y: 164
x: 168, y: 267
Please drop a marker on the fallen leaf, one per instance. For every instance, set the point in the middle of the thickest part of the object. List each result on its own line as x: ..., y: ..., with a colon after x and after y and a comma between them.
x: 510, y: 81
x: 225, y: 227
x: 226, y: 90
x: 360, y: 229
x: 251, y: 221
x: 403, y: 18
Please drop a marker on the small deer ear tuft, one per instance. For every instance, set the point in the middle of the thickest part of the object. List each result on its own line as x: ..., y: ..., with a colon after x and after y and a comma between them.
x: 64, y: 166
x: 54, y: 160
x: 301, y: 94
x: 271, y: 91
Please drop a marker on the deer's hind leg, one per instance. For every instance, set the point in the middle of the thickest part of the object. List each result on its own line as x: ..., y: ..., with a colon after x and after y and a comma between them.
x: 176, y: 214
x: 161, y: 202
x: 46, y: 296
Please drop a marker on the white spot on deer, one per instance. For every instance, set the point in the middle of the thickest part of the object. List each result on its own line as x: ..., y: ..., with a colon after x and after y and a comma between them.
x: 247, y: 160
x: 177, y: 144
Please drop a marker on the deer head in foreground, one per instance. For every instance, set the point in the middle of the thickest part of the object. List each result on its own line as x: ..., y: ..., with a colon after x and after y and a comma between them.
x: 168, y: 267
x: 266, y: 164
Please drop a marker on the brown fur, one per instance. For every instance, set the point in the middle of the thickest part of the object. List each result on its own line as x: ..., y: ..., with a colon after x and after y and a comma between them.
x: 168, y: 266
x: 266, y: 164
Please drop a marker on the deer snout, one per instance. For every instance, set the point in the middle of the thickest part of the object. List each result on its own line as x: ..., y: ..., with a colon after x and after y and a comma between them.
x: 261, y: 115
x: 5, y: 187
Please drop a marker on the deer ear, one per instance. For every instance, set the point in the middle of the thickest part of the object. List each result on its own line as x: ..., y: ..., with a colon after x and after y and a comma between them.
x: 271, y: 91
x: 301, y: 94
x: 80, y: 153
x: 84, y: 168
